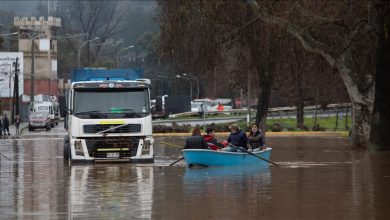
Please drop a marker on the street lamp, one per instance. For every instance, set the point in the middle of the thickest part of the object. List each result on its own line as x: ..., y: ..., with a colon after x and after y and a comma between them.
x: 117, y: 54
x: 14, y: 33
x: 190, y: 77
x: 79, y: 50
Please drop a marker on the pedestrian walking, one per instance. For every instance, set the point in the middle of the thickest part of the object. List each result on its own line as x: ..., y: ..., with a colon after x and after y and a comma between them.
x: 6, y: 125
x: 17, y: 124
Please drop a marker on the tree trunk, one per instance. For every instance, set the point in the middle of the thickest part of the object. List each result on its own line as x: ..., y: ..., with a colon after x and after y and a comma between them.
x: 300, y: 114
x: 361, y: 125
x: 362, y: 94
x: 379, y: 139
x: 300, y: 100
x: 263, y: 99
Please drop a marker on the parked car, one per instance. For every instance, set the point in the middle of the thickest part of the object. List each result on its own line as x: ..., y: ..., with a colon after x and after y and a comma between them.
x: 39, y: 120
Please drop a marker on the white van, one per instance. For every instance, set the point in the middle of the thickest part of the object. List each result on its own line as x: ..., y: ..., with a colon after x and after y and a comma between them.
x: 49, y: 109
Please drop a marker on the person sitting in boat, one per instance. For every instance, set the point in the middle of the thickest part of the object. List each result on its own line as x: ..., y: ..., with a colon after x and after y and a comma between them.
x: 255, y: 139
x: 196, y: 141
x: 211, y: 141
x: 236, y: 140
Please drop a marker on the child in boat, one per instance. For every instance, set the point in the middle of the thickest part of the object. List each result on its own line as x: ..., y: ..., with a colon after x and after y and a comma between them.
x: 236, y: 140
x: 255, y: 139
x: 196, y: 141
x: 211, y: 141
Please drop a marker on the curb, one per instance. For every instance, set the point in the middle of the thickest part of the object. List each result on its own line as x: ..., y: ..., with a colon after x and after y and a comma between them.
x: 272, y: 134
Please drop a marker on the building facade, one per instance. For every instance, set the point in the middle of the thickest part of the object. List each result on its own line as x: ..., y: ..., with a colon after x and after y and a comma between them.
x: 38, y: 44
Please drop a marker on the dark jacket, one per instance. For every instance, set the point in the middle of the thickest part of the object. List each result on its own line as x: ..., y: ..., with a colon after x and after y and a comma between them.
x: 196, y: 142
x: 238, y: 139
x: 256, y: 140
x: 17, y: 121
x: 212, y: 142
x: 5, y: 122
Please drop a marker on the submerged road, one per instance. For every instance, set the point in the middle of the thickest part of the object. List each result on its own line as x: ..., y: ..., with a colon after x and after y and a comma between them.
x: 320, y: 178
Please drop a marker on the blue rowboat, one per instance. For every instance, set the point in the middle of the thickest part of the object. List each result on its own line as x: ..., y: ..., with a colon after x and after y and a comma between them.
x: 222, y: 158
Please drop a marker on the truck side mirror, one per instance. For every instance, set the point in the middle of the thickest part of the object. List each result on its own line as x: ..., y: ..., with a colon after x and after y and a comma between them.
x: 62, y: 106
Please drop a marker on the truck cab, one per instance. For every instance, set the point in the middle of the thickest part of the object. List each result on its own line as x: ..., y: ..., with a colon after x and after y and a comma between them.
x: 109, y: 117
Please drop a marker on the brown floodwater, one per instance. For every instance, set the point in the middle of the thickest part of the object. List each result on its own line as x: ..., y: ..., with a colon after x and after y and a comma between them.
x: 319, y: 178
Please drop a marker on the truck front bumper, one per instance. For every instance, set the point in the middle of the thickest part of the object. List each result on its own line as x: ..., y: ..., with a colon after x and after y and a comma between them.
x: 123, y: 149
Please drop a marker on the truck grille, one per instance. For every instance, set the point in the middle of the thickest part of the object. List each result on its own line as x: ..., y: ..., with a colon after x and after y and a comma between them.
x: 101, y: 147
x: 129, y: 128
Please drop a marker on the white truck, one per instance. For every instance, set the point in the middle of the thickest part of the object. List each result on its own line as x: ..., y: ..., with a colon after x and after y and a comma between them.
x: 108, y: 116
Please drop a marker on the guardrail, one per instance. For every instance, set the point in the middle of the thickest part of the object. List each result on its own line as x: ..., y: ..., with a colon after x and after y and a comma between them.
x: 280, y: 111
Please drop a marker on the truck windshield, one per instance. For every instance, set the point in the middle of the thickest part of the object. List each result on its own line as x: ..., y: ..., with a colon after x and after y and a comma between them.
x: 114, y: 103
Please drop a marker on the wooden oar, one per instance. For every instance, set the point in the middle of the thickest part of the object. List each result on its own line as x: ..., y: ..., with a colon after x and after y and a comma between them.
x: 173, y: 145
x: 176, y: 161
x: 243, y: 149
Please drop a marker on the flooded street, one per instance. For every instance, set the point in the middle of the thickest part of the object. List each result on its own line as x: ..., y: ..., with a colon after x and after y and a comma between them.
x: 319, y: 178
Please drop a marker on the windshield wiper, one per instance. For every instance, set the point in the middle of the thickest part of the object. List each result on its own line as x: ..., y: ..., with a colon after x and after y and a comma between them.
x: 132, y: 114
x: 90, y: 113
x: 128, y: 112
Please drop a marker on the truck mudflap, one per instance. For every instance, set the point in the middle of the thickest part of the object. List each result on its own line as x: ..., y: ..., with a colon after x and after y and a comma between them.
x: 130, y: 149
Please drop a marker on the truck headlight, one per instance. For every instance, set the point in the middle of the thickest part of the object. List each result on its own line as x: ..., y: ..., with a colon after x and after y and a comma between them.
x: 78, y: 146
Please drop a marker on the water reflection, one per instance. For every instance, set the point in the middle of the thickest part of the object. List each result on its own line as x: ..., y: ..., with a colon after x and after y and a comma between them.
x: 222, y: 180
x: 111, y: 191
x: 320, y: 178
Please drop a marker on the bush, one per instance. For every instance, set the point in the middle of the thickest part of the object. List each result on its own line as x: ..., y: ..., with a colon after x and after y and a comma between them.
x: 276, y: 127
x: 170, y: 129
x: 303, y: 128
x: 317, y: 127
x: 290, y: 129
x: 219, y: 127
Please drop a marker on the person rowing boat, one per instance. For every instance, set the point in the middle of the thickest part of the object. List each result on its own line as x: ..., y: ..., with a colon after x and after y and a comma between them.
x: 237, y: 138
x: 211, y: 141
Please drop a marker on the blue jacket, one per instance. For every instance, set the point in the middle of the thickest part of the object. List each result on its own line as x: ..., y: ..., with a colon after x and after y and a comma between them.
x: 238, y: 139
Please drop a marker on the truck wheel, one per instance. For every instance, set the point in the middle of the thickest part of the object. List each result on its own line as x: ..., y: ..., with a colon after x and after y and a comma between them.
x: 47, y: 127
x: 52, y: 125
x: 30, y: 128
x: 67, y: 151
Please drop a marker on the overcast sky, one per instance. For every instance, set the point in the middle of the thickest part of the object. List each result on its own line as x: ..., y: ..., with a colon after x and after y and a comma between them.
x: 28, y: 7
x: 22, y: 8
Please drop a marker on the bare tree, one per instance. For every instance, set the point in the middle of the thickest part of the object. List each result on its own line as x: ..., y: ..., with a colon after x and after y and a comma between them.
x: 92, y: 19
x: 348, y: 26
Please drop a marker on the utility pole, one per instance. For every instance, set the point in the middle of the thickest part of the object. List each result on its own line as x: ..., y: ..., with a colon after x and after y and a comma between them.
x: 32, y: 69
x: 249, y: 98
x: 16, y: 90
